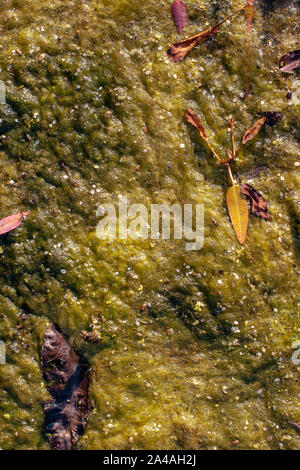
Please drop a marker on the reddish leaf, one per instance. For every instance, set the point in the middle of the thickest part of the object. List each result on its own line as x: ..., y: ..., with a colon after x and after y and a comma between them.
x: 180, y: 49
x: 11, y: 222
x: 67, y: 378
x: 179, y: 15
x: 253, y: 172
x: 193, y: 119
x: 253, y: 130
x: 257, y: 201
x: 290, y: 61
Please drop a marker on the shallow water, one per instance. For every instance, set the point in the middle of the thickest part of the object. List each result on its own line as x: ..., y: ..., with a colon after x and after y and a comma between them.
x: 95, y: 110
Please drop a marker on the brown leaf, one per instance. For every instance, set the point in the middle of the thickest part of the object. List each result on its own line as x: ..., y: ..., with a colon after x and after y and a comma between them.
x: 238, y: 211
x: 11, y: 222
x: 272, y: 117
x: 179, y: 14
x: 290, y: 61
x: 193, y: 119
x: 253, y: 130
x: 67, y: 379
x: 180, y: 49
x: 257, y: 201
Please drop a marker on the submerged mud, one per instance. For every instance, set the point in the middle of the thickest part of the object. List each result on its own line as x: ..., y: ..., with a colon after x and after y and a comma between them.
x: 95, y: 112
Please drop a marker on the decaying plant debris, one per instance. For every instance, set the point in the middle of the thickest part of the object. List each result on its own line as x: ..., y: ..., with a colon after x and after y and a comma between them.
x: 67, y: 381
x: 179, y: 15
x: 257, y: 201
x: 236, y: 204
x: 268, y: 117
x: 180, y: 49
x: 253, y: 130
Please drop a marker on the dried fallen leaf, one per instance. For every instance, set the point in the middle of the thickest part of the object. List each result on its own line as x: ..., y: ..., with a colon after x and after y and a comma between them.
x: 272, y: 117
x: 257, y: 201
x: 253, y: 130
x: 11, y: 222
x: 179, y: 14
x: 238, y: 211
x: 195, y: 121
x: 268, y: 117
x: 67, y: 379
x: 180, y: 49
x: 290, y: 61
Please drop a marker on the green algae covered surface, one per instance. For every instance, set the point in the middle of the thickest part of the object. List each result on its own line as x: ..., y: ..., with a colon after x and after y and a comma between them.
x: 94, y: 111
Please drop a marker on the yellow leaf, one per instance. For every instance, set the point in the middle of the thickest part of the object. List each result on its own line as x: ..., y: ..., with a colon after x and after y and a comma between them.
x: 238, y: 211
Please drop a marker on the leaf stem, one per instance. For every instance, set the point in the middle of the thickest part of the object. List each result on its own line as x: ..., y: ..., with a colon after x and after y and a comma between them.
x: 232, y: 181
x: 215, y: 153
x: 233, y: 14
x: 232, y: 137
